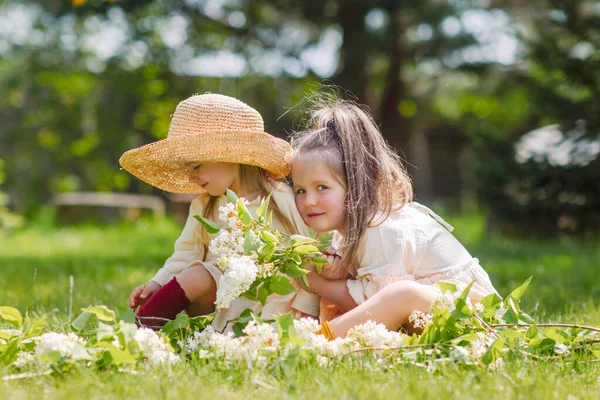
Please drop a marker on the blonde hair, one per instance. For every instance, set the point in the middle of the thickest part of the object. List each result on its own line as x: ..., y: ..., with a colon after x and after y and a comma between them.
x: 344, y: 136
x: 265, y: 184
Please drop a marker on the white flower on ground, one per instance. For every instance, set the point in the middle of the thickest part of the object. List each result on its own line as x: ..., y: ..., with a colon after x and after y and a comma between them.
x: 561, y: 349
x: 420, y: 319
x: 262, y: 333
x: 240, y: 274
x: 371, y: 334
x: 459, y: 354
x: 154, y: 348
x: 67, y: 345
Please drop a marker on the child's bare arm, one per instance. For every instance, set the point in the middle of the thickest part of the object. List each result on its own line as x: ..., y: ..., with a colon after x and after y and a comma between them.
x: 335, y: 291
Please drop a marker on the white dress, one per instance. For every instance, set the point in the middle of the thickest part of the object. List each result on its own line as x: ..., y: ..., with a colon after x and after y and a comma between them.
x: 414, y: 244
x: 190, y: 248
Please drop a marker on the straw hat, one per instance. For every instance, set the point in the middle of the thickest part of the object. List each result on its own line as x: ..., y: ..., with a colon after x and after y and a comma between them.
x: 207, y: 128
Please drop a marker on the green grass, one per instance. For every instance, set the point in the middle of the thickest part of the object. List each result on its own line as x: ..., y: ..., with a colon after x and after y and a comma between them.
x: 106, y: 263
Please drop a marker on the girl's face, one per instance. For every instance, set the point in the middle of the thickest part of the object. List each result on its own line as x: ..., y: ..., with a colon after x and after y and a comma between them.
x: 319, y: 195
x: 215, y: 178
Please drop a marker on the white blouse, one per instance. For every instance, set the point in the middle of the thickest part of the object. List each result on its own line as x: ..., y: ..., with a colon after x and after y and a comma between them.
x: 414, y: 244
x: 189, y: 249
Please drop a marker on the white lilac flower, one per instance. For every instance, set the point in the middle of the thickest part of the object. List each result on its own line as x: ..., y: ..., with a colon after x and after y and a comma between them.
x: 24, y: 359
x: 479, y: 308
x: 240, y: 274
x: 64, y: 344
x: 228, y: 214
x: 306, y: 327
x: 371, y: 334
x: 420, y: 319
x: 323, y: 361
x: 561, y: 349
x: 262, y: 333
x: 154, y: 348
x: 479, y: 346
x: 265, y: 270
x: 227, y: 244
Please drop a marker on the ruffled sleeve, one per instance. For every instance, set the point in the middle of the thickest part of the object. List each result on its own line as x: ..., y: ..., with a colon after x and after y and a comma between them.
x: 188, y: 248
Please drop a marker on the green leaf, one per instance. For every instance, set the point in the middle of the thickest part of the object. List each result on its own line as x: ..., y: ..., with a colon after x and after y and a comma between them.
x: 320, y: 261
x: 11, y: 315
x: 446, y: 286
x: 285, y: 328
x: 81, y: 321
x: 103, y: 313
x: 263, y: 293
x: 243, y: 212
x: 542, y: 345
x: 262, y: 209
x: 281, y: 285
x: 551, y: 333
x: 267, y: 252
x: 304, y: 280
x: 292, y: 270
x: 518, y: 292
x: 465, y: 293
x: 126, y: 332
x: 181, y: 321
x: 532, y: 331
x: 306, y: 249
x: 491, y: 304
x: 210, y: 226
x: 250, y: 243
x: 268, y: 237
x: 526, y: 318
x: 231, y: 196
x: 200, y: 322
x: 493, y: 353
x: 462, y: 309
x: 125, y: 314
x: 298, y: 240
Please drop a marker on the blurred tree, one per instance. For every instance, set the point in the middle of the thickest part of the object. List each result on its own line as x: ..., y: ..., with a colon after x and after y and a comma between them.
x: 453, y: 82
x: 543, y: 175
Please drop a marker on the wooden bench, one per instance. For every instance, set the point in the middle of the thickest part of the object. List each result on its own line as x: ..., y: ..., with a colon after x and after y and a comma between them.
x: 75, y: 207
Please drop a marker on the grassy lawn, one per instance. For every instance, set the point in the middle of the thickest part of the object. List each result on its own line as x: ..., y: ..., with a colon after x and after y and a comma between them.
x: 105, y: 263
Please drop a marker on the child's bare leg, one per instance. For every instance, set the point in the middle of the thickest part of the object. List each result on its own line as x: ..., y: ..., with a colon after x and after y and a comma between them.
x: 390, y: 306
x: 200, y: 288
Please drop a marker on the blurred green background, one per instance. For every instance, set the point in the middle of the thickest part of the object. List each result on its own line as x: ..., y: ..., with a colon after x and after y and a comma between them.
x: 492, y: 103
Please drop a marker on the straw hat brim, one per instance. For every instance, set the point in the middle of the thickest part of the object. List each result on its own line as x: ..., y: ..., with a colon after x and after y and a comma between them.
x: 164, y: 164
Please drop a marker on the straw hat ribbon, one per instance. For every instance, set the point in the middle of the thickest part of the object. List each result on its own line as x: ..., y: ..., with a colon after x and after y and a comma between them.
x: 207, y: 128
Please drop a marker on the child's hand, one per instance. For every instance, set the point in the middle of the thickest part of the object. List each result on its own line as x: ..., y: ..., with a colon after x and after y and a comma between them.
x: 334, y: 270
x: 142, y: 293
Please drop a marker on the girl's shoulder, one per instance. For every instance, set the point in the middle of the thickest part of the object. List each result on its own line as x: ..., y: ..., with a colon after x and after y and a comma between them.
x: 411, y: 220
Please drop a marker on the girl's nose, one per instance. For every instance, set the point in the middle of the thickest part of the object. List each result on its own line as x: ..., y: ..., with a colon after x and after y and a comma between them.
x: 311, y: 199
x: 192, y: 177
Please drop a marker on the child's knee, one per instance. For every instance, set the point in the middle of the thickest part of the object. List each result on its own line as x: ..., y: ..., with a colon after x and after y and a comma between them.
x: 412, y: 294
x: 196, y: 281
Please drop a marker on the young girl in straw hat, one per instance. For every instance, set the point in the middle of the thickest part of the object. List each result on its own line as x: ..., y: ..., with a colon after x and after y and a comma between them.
x: 214, y: 143
x: 348, y: 180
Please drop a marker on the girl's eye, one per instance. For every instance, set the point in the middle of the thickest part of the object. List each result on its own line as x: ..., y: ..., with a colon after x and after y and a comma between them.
x: 321, y: 187
x: 300, y: 191
x: 197, y: 167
